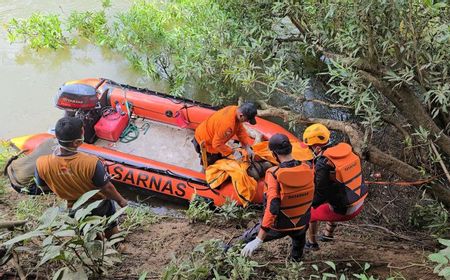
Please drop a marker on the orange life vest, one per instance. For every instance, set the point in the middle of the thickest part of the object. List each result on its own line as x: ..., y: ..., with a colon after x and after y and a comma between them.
x: 296, y: 194
x: 348, y: 172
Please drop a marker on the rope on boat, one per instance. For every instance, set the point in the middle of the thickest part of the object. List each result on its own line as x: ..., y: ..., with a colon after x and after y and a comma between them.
x: 131, y: 132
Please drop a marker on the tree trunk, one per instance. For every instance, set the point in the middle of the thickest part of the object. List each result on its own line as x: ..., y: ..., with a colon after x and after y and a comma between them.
x: 406, y: 172
x: 412, y: 109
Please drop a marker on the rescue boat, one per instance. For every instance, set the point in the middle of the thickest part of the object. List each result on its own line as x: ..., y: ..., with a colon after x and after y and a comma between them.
x: 161, y: 158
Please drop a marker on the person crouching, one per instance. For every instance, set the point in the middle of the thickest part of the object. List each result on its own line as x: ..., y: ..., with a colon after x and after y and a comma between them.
x: 288, y: 196
x: 340, y: 189
x: 70, y: 173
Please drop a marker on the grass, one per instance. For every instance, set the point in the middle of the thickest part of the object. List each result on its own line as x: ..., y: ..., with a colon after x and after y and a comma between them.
x: 430, y: 215
x: 139, y: 216
x: 6, y: 152
x: 199, y: 211
x: 3, y: 185
x: 32, y: 207
x: 209, y: 261
x: 230, y: 211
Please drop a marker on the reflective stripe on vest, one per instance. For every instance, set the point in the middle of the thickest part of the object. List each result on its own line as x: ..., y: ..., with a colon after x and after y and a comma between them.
x: 296, y: 193
x: 348, y: 171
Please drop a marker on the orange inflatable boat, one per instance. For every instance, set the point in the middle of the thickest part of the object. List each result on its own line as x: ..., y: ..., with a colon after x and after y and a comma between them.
x: 158, y: 155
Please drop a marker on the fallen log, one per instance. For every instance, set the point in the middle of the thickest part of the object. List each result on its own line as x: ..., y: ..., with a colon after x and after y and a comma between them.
x: 12, y: 224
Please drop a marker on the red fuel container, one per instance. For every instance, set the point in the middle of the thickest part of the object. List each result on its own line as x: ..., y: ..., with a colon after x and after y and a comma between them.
x: 110, y: 127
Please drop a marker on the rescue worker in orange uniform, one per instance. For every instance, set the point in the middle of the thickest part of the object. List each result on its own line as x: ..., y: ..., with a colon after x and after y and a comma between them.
x: 220, y: 127
x: 70, y: 173
x: 340, y: 189
x: 288, y: 196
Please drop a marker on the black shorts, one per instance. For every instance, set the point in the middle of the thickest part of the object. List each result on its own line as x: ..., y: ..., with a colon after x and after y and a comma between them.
x: 107, y: 208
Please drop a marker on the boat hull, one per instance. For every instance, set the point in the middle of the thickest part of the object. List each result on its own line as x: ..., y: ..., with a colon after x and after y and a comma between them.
x: 148, y: 174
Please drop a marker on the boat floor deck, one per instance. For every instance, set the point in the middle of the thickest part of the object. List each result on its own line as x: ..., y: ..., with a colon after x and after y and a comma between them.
x: 162, y: 142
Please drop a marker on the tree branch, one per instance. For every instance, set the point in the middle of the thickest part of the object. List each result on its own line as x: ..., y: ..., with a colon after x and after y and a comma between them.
x: 411, y: 108
x: 359, y: 63
x: 301, y: 98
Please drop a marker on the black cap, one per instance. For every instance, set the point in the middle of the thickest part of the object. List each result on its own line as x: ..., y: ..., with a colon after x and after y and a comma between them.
x: 68, y: 129
x: 280, y: 144
x: 248, y: 109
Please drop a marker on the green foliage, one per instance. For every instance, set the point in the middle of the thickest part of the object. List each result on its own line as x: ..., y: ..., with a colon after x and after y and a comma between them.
x: 139, y: 217
x: 6, y: 152
x: 209, y: 261
x: 430, y: 215
x: 39, y: 31
x: 294, y: 271
x: 442, y: 258
x: 199, y: 211
x: 181, y: 41
x: 89, y: 25
x: 290, y: 271
x: 406, y: 40
x: 230, y: 211
x: 73, y: 242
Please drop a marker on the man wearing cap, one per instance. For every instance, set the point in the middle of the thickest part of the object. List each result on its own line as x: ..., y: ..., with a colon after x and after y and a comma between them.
x: 70, y: 174
x: 288, y: 196
x: 220, y: 127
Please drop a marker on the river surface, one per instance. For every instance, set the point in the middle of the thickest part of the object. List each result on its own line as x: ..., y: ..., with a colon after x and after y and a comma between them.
x: 29, y: 80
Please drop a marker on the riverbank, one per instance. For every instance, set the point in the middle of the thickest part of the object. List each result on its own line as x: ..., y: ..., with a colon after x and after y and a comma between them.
x: 156, y: 242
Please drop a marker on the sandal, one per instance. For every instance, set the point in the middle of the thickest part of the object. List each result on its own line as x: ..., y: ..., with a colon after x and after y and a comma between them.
x: 311, y: 246
x: 325, y: 238
x: 329, y: 228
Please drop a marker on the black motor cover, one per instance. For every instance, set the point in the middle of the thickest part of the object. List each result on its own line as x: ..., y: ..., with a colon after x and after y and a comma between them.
x: 76, y: 97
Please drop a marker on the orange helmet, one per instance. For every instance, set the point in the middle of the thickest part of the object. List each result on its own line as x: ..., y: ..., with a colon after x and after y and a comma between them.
x: 316, y: 134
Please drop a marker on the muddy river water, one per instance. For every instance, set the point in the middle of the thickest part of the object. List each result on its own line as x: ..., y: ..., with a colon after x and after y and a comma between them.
x: 29, y: 79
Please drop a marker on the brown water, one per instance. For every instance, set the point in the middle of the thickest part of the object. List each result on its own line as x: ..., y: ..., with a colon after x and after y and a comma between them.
x: 29, y: 79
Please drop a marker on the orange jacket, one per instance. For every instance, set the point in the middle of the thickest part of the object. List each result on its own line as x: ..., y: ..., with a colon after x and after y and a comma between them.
x: 348, y: 172
x: 69, y: 177
x: 288, y: 196
x: 219, y: 128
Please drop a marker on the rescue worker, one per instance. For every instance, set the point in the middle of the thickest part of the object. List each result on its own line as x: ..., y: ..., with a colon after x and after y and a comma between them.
x: 20, y: 170
x: 220, y: 127
x: 288, y: 196
x: 70, y: 174
x: 340, y: 189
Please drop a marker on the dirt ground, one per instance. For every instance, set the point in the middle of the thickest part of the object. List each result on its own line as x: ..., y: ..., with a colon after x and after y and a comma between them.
x: 379, y: 236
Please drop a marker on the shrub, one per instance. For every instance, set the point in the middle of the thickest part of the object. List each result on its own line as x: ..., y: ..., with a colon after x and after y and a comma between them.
x: 40, y: 31
x: 230, y: 211
x: 73, y: 242
x: 430, y: 215
x: 210, y: 261
x: 138, y: 216
x: 199, y: 210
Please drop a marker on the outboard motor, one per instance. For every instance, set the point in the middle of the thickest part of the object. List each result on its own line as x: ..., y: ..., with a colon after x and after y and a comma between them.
x: 80, y: 101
